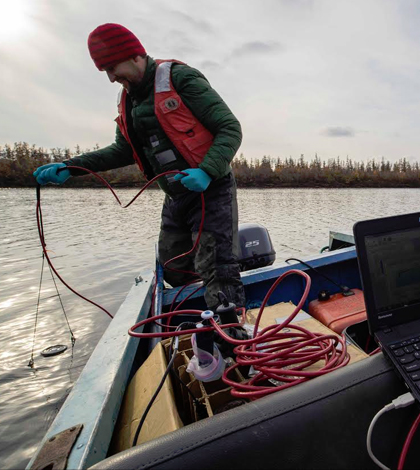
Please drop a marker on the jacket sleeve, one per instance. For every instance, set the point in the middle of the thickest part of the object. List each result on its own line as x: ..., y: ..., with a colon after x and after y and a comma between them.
x: 116, y: 155
x: 209, y: 108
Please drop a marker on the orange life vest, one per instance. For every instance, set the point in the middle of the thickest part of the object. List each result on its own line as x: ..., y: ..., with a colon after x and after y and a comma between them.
x: 186, y: 133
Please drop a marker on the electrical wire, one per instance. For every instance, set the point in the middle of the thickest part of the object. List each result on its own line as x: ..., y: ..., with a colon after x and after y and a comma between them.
x: 180, y: 327
x: 32, y: 361
x: 401, y: 402
x: 282, y: 356
x: 344, y: 289
x: 172, y: 307
x: 165, y: 266
x: 271, y: 352
x: 173, y: 351
x: 407, y: 443
x: 375, y: 351
x: 279, y: 356
x: 369, y: 337
x: 45, y: 251
x: 150, y: 404
x: 40, y: 226
x: 170, y: 334
x: 72, y: 337
x: 381, y: 412
x: 264, y: 351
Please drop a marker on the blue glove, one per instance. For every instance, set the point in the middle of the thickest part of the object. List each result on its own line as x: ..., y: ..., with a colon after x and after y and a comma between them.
x: 197, y: 180
x: 49, y: 174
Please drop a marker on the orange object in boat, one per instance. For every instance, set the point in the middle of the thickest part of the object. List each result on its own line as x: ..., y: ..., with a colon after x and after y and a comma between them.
x: 339, y: 311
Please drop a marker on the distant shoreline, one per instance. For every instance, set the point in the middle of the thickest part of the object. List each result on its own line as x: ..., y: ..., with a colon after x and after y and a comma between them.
x: 240, y: 186
x: 18, y: 163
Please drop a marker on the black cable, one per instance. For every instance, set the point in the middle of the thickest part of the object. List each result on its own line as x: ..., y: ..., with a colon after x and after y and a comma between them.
x: 344, y: 289
x: 185, y: 325
x: 181, y: 326
x: 73, y: 338
x: 200, y: 408
x: 149, y: 406
x: 176, y: 376
x: 172, y: 352
x: 32, y: 362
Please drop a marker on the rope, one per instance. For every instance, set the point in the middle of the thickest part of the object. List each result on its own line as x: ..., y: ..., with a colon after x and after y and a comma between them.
x: 32, y: 362
x: 73, y: 338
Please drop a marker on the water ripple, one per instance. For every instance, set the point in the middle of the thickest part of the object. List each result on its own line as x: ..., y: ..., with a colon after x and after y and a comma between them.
x: 99, y: 248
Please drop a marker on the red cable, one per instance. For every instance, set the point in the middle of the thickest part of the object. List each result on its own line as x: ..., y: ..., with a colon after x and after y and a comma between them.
x: 275, y: 355
x: 172, y: 172
x: 281, y: 356
x: 170, y: 334
x: 173, y: 309
x: 367, y: 343
x: 267, y: 351
x: 407, y: 442
x: 165, y: 266
x: 44, y: 249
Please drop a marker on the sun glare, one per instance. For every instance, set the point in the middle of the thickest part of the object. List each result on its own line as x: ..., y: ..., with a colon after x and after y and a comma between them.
x: 13, y: 18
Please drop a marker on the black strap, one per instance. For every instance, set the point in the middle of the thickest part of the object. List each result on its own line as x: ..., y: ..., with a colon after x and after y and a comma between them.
x: 136, y: 140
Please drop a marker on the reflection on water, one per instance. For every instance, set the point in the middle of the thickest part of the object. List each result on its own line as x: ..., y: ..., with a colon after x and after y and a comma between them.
x: 98, y: 249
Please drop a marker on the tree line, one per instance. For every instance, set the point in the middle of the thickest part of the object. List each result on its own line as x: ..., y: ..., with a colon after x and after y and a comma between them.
x: 18, y: 162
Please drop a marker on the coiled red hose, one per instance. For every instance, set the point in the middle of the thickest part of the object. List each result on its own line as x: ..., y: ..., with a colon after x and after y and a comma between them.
x: 280, y: 354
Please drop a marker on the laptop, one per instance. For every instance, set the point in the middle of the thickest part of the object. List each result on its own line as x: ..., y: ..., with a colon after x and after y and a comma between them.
x: 388, y: 253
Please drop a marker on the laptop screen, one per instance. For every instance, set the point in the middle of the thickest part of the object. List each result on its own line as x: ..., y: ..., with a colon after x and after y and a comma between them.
x: 394, y: 268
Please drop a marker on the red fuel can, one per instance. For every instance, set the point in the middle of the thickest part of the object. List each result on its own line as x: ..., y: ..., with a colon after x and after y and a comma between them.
x: 339, y: 311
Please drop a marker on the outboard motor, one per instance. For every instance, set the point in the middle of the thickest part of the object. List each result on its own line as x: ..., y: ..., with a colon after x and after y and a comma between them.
x: 255, y: 247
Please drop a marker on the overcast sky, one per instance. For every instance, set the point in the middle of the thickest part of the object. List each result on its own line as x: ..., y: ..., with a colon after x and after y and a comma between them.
x: 333, y: 77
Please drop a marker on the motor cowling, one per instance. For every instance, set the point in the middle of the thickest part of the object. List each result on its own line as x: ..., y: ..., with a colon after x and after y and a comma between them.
x: 255, y: 247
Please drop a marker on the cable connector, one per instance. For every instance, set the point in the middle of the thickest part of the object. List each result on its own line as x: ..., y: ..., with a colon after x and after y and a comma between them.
x: 401, y: 402
x: 346, y: 291
x: 404, y: 400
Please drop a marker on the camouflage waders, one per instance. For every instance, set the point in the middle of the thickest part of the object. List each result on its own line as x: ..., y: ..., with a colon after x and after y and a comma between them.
x: 215, y: 259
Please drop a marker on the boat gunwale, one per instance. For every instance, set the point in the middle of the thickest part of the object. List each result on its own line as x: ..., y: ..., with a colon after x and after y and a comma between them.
x: 269, y: 272
x: 96, y: 397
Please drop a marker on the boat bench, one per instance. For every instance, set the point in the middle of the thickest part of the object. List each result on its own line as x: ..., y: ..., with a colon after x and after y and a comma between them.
x: 321, y: 424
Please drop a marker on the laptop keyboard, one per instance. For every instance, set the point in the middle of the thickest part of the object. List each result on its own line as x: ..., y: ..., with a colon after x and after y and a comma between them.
x: 407, y: 354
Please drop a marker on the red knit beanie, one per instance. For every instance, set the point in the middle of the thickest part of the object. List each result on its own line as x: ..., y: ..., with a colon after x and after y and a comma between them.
x: 111, y: 44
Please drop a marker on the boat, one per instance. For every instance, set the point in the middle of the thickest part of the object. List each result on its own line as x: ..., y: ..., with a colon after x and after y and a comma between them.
x: 318, y: 424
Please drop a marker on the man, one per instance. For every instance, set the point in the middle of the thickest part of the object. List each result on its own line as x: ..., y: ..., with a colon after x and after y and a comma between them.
x: 169, y: 118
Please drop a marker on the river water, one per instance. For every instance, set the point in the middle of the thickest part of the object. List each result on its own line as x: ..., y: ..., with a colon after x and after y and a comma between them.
x: 99, y: 249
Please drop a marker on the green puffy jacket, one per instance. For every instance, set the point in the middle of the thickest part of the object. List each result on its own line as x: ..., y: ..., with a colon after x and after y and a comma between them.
x: 207, y: 106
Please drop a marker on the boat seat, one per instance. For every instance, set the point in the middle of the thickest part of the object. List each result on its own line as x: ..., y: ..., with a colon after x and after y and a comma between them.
x: 321, y: 424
